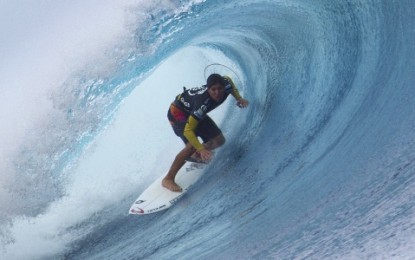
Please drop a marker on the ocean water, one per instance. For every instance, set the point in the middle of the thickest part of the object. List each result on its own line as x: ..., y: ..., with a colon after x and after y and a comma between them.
x: 320, y: 165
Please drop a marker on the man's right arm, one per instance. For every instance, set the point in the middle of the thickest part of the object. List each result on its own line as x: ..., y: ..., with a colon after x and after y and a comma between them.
x: 189, y: 133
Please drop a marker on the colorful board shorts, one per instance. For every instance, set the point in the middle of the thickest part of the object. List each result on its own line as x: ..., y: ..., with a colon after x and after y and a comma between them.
x: 206, y: 129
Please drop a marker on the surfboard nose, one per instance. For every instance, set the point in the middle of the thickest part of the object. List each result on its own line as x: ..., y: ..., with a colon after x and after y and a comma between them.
x: 137, y: 211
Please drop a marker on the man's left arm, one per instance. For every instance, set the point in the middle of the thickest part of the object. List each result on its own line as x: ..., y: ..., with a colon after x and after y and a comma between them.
x: 241, y: 102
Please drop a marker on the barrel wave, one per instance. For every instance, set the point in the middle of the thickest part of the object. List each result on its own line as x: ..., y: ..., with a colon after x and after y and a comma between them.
x: 321, y: 165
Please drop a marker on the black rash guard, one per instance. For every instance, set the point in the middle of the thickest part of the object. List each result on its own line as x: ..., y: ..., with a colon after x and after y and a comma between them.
x: 196, y: 103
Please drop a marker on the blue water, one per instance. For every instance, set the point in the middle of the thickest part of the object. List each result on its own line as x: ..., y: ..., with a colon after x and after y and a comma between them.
x: 320, y: 166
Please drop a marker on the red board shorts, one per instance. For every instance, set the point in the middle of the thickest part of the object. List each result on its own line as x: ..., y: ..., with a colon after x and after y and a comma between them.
x: 206, y: 129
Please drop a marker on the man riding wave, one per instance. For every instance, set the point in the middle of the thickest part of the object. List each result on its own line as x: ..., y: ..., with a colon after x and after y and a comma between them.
x: 189, y: 120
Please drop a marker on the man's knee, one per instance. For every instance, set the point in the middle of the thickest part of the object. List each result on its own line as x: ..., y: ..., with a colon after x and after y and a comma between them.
x: 220, y: 140
x: 190, y: 148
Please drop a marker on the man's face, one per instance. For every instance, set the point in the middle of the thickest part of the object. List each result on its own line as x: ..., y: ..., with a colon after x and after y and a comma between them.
x: 216, y: 92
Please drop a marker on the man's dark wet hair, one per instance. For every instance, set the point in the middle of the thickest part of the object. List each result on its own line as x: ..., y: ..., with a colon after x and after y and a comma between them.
x: 215, y: 79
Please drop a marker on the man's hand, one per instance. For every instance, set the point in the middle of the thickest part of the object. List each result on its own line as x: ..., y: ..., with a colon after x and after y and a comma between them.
x: 205, y: 155
x: 242, y: 103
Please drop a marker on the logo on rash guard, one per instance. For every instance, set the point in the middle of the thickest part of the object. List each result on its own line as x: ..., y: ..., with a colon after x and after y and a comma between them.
x: 200, y: 113
x: 186, y: 104
x: 196, y: 91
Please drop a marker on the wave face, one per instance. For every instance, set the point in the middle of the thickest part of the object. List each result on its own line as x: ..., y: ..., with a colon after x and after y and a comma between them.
x: 320, y: 166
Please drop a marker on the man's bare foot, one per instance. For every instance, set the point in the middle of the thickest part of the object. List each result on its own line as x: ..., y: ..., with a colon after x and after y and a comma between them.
x: 171, y: 185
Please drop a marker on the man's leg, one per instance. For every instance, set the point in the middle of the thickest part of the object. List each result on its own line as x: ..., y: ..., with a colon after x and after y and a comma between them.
x: 211, y: 134
x: 215, y: 142
x: 168, y: 181
x: 210, y: 145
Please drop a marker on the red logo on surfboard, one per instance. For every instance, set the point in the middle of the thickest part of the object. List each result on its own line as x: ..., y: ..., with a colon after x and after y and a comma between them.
x: 137, y: 211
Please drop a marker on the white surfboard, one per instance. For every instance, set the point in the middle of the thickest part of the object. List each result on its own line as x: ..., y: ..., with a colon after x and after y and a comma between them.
x: 156, y: 198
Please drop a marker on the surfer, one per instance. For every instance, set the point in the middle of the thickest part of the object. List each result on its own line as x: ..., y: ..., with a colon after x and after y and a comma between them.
x: 188, y: 117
